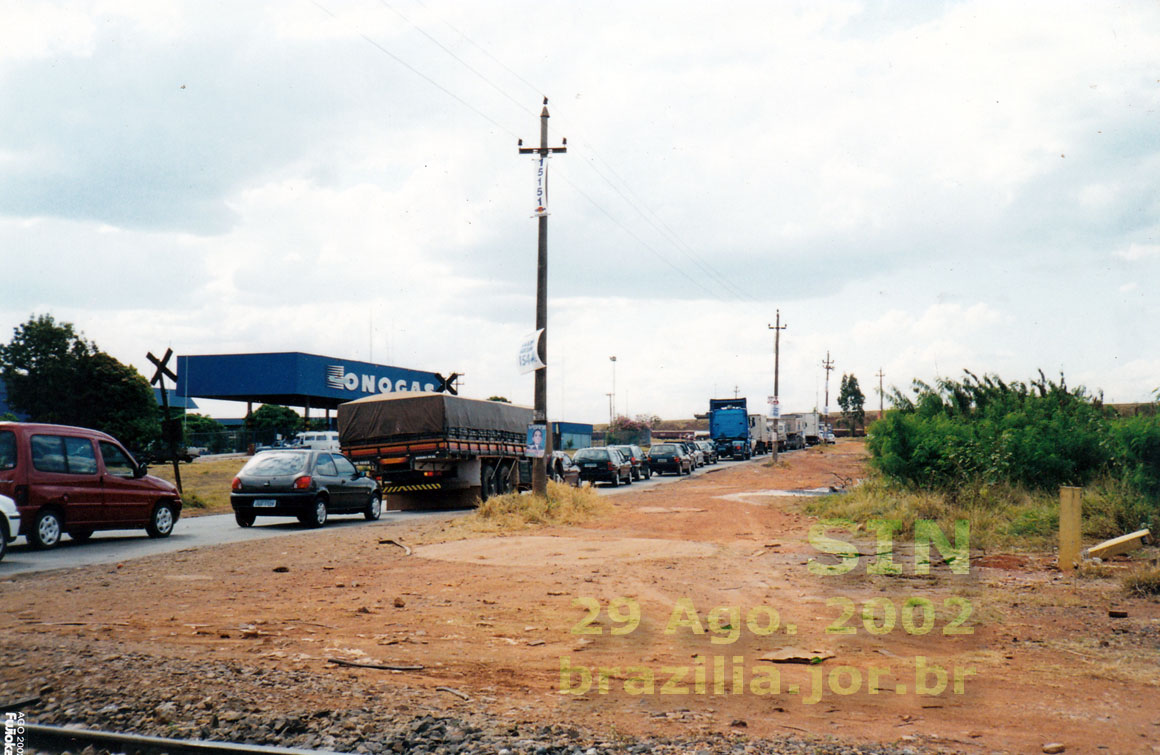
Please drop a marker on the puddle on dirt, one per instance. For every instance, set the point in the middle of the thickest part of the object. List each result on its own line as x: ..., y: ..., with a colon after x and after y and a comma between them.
x: 536, y: 550
x: 749, y: 495
x: 668, y: 510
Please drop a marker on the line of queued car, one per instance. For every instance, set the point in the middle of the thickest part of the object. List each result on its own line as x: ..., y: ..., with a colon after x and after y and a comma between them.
x: 621, y: 464
x: 58, y: 480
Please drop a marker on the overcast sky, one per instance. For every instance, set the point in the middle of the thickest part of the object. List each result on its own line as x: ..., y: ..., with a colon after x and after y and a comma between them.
x: 919, y: 187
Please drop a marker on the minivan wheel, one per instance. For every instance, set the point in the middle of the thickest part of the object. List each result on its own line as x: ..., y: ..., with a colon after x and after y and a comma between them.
x: 316, y: 517
x: 374, y: 509
x: 46, y: 529
x: 161, y: 521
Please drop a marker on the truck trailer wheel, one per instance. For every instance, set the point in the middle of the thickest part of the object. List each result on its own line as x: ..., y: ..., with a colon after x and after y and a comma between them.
x: 486, y: 481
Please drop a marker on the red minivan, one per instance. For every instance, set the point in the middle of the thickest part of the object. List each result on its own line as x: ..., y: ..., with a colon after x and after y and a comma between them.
x: 74, y: 480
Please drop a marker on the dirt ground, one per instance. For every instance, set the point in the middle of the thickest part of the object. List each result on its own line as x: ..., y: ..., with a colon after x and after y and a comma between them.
x: 673, y: 608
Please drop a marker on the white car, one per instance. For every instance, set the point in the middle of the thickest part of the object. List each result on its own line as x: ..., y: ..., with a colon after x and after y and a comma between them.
x: 9, y: 523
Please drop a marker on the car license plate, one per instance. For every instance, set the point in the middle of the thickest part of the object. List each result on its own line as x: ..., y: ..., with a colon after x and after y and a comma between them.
x: 590, y: 466
x: 265, y: 503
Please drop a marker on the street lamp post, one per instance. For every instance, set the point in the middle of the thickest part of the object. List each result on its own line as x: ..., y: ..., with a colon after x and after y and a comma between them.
x: 612, y: 405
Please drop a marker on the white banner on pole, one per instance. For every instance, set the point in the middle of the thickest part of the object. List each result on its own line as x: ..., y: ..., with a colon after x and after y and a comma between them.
x: 529, y: 357
x: 541, y: 186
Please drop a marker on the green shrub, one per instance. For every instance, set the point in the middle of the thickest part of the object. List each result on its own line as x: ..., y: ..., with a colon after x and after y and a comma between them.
x: 975, y: 433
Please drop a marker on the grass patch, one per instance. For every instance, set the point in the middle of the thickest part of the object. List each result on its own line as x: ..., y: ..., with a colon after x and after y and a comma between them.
x: 205, y: 484
x: 1144, y: 583
x: 1000, y: 516
x: 563, y: 504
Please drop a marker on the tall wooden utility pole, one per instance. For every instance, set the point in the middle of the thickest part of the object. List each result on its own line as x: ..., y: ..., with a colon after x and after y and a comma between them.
x: 828, y: 365
x: 881, y: 411
x: 540, y: 416
x: 776, y: 387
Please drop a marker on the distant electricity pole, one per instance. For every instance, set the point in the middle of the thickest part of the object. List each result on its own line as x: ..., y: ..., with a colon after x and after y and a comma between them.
x: 881, y: 411
x: 828, y: 365
x: 776, y: 408
x: 612, y: 411
x: 540, y: 416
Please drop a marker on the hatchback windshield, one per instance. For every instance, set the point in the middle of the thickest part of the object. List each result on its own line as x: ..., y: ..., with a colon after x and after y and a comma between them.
x: 275, y: 464
x: 664, y: 448
x: 591, y: 454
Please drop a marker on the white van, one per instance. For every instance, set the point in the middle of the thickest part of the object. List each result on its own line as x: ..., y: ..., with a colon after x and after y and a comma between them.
x: 322, y: 440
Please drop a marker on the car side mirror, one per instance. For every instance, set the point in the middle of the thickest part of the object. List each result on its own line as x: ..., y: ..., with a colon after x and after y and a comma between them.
x: 140, y: 471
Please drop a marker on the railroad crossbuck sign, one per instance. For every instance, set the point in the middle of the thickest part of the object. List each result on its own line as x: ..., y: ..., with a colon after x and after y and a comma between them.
x: 529, y: 358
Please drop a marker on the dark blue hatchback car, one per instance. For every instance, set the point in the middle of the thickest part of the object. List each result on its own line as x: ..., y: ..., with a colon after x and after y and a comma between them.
x: 306, y: 483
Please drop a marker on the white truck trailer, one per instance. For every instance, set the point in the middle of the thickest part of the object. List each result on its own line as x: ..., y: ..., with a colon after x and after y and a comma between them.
x: 761, y: 434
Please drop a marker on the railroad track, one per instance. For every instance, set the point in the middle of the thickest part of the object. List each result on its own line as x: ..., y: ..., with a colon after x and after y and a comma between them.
x: 61, y: 739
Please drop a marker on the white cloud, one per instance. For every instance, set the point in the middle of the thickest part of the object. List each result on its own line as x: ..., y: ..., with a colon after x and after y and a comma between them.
x: 1136, y: 252
x: 33, y: 31
x: 889, y: 175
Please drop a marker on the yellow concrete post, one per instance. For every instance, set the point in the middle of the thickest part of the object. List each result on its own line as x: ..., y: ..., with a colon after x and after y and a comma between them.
x: 1069, y: 527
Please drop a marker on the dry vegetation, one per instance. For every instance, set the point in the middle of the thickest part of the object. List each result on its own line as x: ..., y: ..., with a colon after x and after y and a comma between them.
x: 205, y: 484
x: 563, y: 504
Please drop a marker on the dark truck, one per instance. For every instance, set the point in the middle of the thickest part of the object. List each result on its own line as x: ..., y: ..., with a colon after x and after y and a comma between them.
x: 729, y: 427
x: 427, y: 444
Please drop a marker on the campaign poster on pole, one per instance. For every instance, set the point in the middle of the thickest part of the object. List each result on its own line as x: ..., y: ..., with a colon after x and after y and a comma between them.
x: 535, y: 444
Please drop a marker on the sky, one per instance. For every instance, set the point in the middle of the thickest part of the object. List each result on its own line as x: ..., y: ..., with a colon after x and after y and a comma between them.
x: 917, y: 187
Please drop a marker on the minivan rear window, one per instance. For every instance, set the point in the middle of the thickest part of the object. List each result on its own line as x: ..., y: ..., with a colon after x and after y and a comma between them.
x: 7, y: 450
x: 64, y: 454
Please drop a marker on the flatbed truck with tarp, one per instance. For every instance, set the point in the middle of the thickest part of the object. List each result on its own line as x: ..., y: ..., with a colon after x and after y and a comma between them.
x: 436, y: 444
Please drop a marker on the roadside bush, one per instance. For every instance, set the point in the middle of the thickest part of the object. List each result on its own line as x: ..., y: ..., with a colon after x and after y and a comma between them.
x: 1036, y: 436
x: 1136, y: 446
x: 563, y: 504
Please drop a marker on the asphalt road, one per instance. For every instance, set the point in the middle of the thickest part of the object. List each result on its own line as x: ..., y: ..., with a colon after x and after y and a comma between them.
x: 190, y: 533
x: 202, y: 531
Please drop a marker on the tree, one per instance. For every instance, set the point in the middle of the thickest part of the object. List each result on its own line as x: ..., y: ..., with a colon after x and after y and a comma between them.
x: 624, y: 431
x: 205, y: 432
x: 54, y: 375
x: 271, y: 419
x: 852, y: 401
